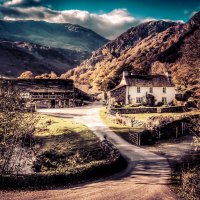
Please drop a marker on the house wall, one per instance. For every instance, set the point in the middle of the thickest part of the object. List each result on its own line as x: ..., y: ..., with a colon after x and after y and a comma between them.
x: 118, y: 95
x: 157, y: 93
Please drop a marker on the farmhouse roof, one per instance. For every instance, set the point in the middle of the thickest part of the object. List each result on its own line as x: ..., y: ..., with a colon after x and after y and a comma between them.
x: 144, y: 81
x: 117, y: 87
x: 148, y: 81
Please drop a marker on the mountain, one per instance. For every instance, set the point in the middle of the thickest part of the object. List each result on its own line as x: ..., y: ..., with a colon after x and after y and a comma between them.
x: 175, y: 48
x: 43, y: 47
x: 65, y: 36
x: 105, y: 60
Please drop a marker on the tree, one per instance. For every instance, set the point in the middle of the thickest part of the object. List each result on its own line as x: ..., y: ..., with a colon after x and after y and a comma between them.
x: 53, y: 75
x: 26, y: 75
x: 16, y: 126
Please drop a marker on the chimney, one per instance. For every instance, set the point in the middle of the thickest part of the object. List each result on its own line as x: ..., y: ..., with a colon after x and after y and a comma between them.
x: 169, y: 76
x: 125, y: 74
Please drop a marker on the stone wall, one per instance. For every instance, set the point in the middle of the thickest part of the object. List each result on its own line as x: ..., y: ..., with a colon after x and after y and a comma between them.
x: 114, y: 111
x: 172, y: 109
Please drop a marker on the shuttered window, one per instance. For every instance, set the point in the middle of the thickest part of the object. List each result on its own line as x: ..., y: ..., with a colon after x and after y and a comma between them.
x: 139, y: 99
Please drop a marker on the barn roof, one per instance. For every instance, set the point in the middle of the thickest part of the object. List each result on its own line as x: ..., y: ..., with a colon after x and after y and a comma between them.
x: 39, y: 84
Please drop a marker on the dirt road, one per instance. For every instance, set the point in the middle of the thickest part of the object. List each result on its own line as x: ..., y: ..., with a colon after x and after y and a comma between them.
x: 145, y: 179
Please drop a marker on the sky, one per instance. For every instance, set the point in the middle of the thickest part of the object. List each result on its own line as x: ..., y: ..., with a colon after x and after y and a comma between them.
x: 109, y: 18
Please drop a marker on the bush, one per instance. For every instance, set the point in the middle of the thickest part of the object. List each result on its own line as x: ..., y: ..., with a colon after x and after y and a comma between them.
x: 191, y: 183
x: 160, y: 104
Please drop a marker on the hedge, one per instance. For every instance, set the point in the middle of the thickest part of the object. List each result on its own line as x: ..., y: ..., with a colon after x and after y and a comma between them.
x: 42, y: 181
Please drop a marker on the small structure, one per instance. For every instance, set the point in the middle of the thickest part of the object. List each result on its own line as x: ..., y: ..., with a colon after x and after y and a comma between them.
x: 46, y: 93
x: 150, y: 90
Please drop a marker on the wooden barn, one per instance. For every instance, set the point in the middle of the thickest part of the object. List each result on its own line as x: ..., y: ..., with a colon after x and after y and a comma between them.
x: 46, y: 93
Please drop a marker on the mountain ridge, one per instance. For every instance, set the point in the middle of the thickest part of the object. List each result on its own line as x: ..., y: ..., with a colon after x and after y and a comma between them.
x: 175, y: 49
x: 57, y: 35
x: 42, y: 47
x: 112, y: 51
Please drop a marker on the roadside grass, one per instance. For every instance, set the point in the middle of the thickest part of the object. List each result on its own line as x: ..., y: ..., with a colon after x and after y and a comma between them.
x: 144, y: 116
x: 122, y: 131
x: 62, y: 145
x: 186, y: 176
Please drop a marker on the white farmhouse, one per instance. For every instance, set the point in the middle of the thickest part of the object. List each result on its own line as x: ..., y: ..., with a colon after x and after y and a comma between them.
x: 139, y: 89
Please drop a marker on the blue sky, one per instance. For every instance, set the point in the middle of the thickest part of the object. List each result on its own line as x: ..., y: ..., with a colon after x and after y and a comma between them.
x: 109, y: 18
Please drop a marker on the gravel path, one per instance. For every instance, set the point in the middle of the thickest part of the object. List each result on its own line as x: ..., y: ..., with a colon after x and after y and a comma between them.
x: 146, y: 177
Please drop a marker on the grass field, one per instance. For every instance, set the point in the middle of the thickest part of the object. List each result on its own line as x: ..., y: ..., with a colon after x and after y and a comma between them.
x: 62, y: 145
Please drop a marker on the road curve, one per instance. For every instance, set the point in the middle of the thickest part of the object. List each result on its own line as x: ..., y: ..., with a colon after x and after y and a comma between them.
x: 145, y: 179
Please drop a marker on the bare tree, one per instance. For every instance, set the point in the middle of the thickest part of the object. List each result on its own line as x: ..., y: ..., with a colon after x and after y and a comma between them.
x: 16, y: 125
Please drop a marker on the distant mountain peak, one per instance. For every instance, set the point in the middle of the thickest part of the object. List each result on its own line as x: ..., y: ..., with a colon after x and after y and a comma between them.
x: 195, y: 19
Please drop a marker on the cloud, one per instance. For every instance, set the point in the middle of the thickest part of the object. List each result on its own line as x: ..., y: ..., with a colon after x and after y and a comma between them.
x: 110, y: 25
x: 22, y: 3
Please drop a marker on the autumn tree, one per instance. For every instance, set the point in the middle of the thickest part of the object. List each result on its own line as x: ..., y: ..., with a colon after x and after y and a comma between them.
x: 26, y: 75
x: 53, y: 75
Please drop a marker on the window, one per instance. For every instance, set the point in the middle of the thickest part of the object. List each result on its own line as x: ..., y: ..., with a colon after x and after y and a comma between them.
x: 164, y: 90
x: 24, y: 95
x: 139, y: 99
x: 138, y: 89
x: 151, y: 90
x: 164, y: 100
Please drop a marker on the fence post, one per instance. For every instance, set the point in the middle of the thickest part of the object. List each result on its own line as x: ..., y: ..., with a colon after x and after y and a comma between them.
x: 138, y: 139
x: 183, y: 128
x: 158, y: 133
x: 176, y: 131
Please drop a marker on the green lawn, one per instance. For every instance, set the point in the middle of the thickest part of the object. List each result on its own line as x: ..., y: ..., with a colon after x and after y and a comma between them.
x: 62, y: 145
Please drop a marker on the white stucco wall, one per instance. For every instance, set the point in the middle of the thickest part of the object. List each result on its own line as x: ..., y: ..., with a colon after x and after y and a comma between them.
x: 157, y: 93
